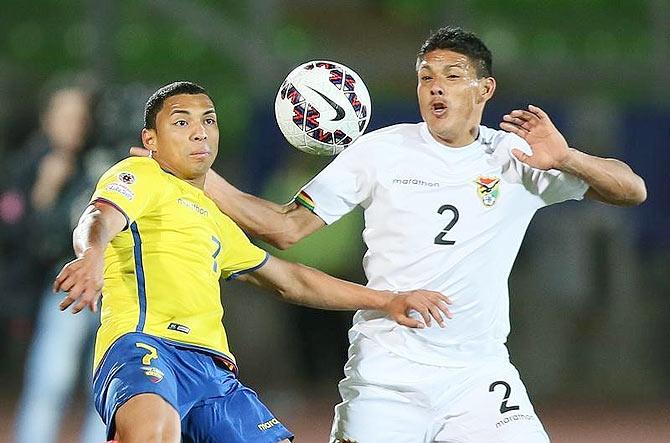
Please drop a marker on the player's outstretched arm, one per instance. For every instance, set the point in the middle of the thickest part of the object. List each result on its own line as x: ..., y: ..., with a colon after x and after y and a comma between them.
x: 610, y: 180
x: 279, y: 225
x: 302, y: 285
x: 82, y: 278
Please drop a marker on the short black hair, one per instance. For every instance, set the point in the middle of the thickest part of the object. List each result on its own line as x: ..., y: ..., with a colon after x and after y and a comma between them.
x: 155, y: 102
x: 463, y: 42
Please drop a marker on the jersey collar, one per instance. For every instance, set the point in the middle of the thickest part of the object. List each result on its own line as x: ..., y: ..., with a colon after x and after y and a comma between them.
x: 464, y: 151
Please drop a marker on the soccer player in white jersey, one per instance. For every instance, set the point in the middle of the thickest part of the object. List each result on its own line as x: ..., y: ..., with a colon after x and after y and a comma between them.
x: 447, y: 202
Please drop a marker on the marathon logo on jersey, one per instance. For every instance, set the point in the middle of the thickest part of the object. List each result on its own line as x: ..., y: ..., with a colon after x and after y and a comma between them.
x: 414, y: 181
x: 193, y: 205
x: 488, y: 189
x: 268, y: 424
x: 127, y: 178
x: 121, y: 189
x: 515, y: 418
x: 154, y: 374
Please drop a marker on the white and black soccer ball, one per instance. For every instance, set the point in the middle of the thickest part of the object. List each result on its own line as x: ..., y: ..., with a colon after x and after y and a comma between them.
x: 322, y: 107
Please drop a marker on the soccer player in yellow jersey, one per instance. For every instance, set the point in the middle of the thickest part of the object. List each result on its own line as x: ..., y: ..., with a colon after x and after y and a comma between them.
x: 155, y: 246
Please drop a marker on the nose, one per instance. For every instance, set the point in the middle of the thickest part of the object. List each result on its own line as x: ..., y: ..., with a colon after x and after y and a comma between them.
x: 436, y: 89
x: 199, y: 133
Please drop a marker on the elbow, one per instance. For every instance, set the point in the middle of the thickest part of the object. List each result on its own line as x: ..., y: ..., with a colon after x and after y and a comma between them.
x: 631, y: 194
x: 285, y: 238
x: 638, y: 194
x: 642, y: 193
x: 283, y: 241
x: 640, y: 198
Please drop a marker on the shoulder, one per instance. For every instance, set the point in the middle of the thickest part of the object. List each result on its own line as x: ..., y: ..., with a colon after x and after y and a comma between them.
x: 391, y: 133
x: 227, y: 227
x: 498, y: 140
x: 137, y: 163
x: 130, y: 169
x: 381, y: 140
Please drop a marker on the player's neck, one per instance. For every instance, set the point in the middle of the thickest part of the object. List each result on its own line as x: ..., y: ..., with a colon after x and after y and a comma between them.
x: 458, y: 140
x: 198, y: 182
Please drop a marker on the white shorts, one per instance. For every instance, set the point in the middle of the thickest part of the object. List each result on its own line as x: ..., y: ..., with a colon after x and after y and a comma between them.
x: 390, y: 399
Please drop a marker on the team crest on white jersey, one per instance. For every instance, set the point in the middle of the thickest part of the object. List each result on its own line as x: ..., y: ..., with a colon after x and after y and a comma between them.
x: 488, y: 189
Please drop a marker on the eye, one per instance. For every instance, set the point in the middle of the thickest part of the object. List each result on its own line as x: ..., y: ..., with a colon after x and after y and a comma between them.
x: 181, y: 123
x: 425, y: 78
x: 210, y: 121
x: 453, y: 76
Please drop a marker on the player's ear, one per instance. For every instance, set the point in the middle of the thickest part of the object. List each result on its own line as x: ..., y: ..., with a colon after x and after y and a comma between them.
x: 487, y: 87
x: 149, y: 139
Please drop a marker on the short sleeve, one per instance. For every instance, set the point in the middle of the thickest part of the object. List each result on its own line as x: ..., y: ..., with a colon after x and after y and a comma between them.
x: 238, y: 255
x: 551, y: 186
x: 340, y: 186
x: 130, y: 185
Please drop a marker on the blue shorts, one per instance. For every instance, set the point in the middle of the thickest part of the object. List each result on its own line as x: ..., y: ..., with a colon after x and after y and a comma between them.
x: 213, y: 405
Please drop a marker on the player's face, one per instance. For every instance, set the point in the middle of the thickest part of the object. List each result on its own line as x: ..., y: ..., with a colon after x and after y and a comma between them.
x: 451, y: 96
x: 186, y: 139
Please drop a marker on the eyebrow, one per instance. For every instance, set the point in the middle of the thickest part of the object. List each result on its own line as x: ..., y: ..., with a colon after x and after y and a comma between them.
x: 453, y: 65
x: 184, y: 111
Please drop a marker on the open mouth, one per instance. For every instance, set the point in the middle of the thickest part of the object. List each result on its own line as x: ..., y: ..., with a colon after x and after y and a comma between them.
x: 438, y: 108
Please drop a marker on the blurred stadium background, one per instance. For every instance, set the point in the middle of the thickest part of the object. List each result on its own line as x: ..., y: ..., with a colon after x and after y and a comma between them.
x: 591, y: 287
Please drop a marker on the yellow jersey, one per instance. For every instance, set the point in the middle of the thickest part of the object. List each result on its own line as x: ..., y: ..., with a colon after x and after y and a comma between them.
x: 162, y: 272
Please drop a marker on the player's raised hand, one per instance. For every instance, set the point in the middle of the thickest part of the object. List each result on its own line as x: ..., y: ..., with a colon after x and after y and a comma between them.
x: 429, y: 304
x: 549, y: 147
x: 82, y: 279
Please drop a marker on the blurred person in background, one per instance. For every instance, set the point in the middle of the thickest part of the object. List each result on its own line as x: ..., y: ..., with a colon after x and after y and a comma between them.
x: 57, y: 177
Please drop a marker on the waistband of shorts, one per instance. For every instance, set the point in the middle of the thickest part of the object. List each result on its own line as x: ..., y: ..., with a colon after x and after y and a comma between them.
x: 420, y: 351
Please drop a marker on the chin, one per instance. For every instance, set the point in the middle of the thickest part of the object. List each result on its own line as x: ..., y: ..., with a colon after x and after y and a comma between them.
x: 201, y: 171
x: 439, y: 129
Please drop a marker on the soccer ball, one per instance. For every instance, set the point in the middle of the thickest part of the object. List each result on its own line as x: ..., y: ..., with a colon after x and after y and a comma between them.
x: 322, y: 107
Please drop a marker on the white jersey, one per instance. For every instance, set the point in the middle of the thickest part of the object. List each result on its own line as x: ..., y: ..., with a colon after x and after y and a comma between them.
x: 443, y: 219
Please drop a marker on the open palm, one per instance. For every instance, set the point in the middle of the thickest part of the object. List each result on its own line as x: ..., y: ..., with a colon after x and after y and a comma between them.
x: 534, y: 126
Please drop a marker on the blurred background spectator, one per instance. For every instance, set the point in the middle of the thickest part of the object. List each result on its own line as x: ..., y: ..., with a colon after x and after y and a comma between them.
x: 589, y: 300
x: 54, y: 174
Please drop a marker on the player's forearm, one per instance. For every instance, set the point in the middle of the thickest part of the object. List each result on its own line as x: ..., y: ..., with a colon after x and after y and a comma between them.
x: 318, y: 290
x: 306, y: 286
x: 612, y: 180
x: 260, y: 218
x: 96, y: 228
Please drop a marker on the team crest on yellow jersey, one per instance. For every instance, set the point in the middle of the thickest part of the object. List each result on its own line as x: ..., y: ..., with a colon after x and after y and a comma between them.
x: 126, y: 177
x: 488, y: 189
x: 154, y: 374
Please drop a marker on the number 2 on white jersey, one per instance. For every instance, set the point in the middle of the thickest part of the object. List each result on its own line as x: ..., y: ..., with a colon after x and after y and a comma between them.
x: 439, y: 239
